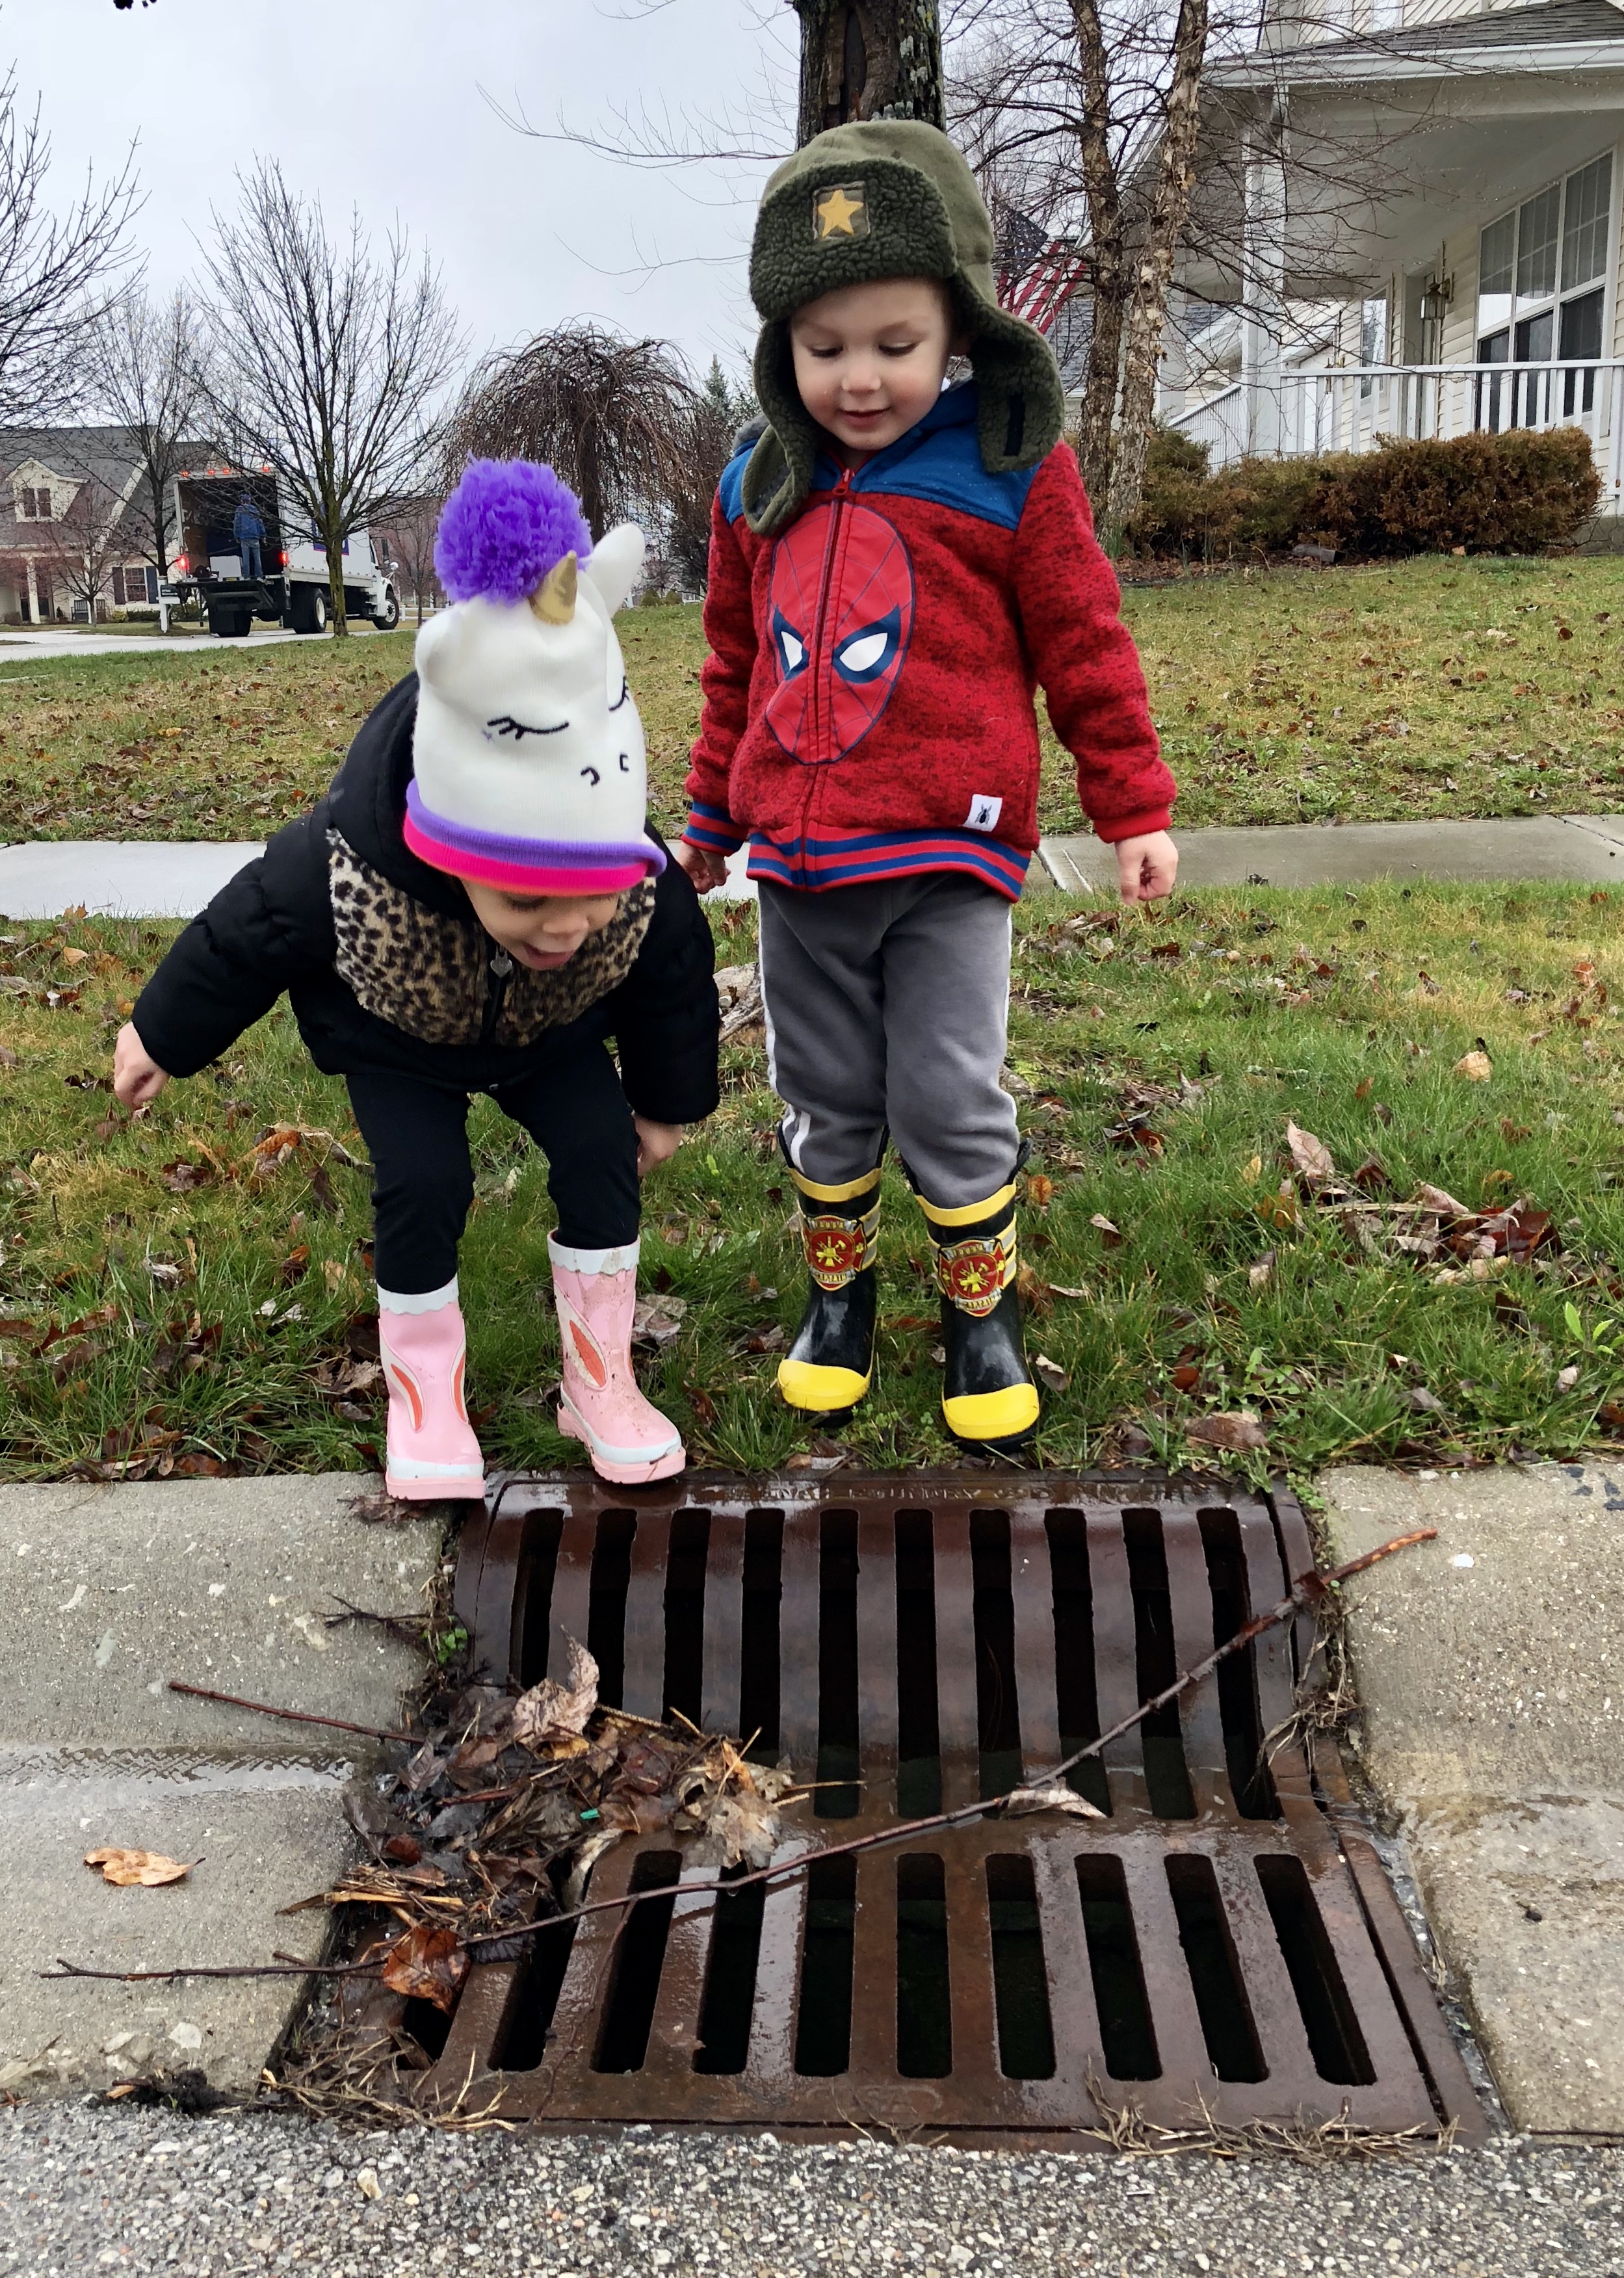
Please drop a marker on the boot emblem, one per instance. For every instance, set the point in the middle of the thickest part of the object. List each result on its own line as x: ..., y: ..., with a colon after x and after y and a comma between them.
x: 458, y: 1390
x: 837, y: 1251
x: 973, y: 1274
x: 588, y: 1352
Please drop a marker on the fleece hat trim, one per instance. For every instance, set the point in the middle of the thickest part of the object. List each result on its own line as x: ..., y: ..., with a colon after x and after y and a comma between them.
x: 859, y: 203
x: 527, y: 655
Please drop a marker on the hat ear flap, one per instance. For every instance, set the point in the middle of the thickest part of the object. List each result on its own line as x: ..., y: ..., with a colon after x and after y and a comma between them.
x: 781, y: 467
x: 1023, y: 397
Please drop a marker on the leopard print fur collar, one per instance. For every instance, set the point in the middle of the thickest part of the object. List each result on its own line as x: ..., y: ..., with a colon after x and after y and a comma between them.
x: 430, y: 974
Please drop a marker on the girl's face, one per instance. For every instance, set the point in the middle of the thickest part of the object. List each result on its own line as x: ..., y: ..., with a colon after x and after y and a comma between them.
x: 870, y: 359
x: 541, y: 930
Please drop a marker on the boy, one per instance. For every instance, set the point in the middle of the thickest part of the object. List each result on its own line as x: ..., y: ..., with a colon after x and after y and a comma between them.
x: 892, y: 569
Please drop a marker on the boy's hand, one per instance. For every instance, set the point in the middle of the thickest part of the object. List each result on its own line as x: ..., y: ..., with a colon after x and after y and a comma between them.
x: 1146, y: 867
x: 656, y: 1143
x: 137, y: 1077
x: 703, y: 864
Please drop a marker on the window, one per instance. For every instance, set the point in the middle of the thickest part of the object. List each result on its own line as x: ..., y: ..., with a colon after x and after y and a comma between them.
x: 1540, y: 296
x: 35, y: 505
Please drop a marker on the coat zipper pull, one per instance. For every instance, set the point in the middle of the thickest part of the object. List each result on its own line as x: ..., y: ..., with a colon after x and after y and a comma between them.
x: 501, y: 964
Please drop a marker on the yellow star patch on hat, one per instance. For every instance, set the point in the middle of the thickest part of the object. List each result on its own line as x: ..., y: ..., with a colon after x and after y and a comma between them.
x: 840, y: 211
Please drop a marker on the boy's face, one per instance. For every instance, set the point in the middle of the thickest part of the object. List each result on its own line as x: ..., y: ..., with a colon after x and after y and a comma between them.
x: 541, y: 930
x: 869, y: 360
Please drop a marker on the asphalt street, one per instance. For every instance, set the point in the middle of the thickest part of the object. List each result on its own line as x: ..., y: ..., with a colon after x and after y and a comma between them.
x: 87, y: 2188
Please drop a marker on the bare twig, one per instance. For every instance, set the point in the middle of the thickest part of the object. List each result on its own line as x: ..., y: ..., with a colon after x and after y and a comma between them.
x: 1307, y: 1592
x: 296, y: 1716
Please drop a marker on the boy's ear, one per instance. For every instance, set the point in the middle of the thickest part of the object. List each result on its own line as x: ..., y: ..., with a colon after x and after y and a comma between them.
x: 615, y: 565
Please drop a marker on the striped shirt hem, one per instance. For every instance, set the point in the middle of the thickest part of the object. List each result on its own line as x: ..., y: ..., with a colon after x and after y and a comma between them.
x: 854, y: 858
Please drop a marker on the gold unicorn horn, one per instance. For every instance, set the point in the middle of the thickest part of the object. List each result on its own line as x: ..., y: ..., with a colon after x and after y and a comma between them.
x: 553, y: 598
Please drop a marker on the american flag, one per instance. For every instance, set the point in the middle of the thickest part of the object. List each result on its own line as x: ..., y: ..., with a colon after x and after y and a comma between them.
x: 1038, y: 274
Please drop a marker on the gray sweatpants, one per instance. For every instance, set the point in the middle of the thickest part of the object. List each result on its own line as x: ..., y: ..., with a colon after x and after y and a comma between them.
x: 887, y: 1007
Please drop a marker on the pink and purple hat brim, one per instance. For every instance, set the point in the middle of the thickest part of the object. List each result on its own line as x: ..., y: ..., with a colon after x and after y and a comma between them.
x: 527, y: 866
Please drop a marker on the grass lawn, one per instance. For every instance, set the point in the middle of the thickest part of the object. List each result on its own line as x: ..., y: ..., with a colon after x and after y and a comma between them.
x: 163, y: 1304
x: 1434, y: 687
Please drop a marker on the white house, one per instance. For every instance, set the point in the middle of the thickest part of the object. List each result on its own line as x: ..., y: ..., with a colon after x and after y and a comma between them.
x: 1407, y: 224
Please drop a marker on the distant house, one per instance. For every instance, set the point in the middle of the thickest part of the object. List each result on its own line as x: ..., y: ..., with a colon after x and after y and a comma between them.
x: 1420, y: 202
x: 75, y: 526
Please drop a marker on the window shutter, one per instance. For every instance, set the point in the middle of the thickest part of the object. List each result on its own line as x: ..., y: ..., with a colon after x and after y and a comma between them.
x: 117, y: 589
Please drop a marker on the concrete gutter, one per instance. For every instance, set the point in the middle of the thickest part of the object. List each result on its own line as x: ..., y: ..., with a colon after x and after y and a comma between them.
x: 1577, y: 848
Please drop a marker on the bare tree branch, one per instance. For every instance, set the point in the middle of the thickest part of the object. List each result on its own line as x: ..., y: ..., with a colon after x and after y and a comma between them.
x: 328, y: 363
x: 146, y: 371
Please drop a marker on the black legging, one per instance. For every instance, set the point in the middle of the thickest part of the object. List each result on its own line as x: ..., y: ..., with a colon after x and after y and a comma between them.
x: 423, y: 1178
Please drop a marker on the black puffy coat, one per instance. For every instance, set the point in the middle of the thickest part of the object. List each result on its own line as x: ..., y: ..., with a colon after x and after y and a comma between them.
x: 387, y: 967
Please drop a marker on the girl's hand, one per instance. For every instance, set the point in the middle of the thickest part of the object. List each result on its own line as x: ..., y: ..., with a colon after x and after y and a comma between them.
x: 1146, y: 867
x: 137, y: 1077
x: 656, y: 1143
x: 703, y: 864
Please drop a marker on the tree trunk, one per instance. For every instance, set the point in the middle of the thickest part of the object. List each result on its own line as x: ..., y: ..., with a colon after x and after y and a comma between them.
x: 334, y: 536
x: 1107, y: 265
x: 1153, y: 265
x: 868, y: 60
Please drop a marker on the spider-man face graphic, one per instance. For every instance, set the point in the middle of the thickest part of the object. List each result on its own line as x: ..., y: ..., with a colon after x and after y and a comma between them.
x: 842, y: 609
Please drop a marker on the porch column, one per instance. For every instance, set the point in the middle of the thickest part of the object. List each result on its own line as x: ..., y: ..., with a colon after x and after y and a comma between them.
x: 1263, y: 291
x: 33, y: 592
x: 1173, y: 379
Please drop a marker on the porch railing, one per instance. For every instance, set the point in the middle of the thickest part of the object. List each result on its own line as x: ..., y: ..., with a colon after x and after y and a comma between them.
x: 1348, y: 407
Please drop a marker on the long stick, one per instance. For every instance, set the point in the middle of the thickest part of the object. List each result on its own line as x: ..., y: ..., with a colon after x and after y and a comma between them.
x: 1308, y: 1590
x: 297, y: 1716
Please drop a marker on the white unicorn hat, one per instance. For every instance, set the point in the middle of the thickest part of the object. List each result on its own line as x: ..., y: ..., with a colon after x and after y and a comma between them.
x: 528, y: 764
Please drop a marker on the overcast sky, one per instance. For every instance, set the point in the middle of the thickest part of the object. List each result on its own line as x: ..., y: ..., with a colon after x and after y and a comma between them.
x: 377, y: 104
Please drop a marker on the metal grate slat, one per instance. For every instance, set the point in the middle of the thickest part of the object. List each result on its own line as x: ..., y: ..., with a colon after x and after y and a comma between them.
x: 1246, y: 1958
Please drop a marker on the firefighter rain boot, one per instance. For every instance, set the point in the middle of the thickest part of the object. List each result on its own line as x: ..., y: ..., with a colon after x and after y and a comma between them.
x: 432, y: 1449
x: 831, y: 1364
x: 627, y: 1438
x: 988, y: 1396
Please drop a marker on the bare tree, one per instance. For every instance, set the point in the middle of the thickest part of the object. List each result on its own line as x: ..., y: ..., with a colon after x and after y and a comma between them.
x: 614, y: 417
x: 409, y: 534
x: 86, y: 542
x: 327, y: 363
x: 148, y: 375
x: 53, y: 267
x: 868, y: 60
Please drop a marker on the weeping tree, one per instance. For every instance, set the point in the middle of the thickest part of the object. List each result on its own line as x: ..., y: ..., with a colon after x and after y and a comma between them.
x: 618, y: 419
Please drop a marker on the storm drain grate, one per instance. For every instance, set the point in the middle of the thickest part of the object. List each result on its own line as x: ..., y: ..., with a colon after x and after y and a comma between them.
x: 1224, y: 1941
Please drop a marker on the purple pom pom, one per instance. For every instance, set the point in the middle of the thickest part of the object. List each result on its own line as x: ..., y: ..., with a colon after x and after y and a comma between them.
x: 503, y: 527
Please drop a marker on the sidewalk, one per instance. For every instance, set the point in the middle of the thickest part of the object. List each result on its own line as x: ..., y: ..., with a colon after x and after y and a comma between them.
x: 19, y: 642
x: 155, y: 878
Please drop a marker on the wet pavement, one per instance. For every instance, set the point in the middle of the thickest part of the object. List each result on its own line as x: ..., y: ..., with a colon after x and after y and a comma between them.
x: 84, y: 2190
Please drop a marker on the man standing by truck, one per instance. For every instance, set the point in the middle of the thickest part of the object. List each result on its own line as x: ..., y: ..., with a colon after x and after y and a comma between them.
x: 248, y: 530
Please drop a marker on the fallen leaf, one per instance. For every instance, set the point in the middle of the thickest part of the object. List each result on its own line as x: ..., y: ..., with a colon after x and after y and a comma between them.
x: 657, y: 1321
x: 1311, y: 1156
x: 1280, y: 1210
x: 182, y: 1178
x: 1053, y: 1374
x: 1361, y: 1089
x: 1040, y: 1191
x: 1478, y: 1067
x: 1109, y: 1234
x: 1427, y: 1403
x: 1252, y: 1172
x: 1439, y: 1200
x: 1566, y: 1381
x: 1049, y: 1795
x: 148, y: 1868
x: 1371, y: 1177
x: 1260, y: 1273
x: 1059, y: 1289
x: 427, y: 1964
x: 1239, y: 1431
x: 551, y: 1711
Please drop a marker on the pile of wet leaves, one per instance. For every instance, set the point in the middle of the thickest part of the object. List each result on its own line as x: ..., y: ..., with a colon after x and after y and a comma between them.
x: 498, y: 1818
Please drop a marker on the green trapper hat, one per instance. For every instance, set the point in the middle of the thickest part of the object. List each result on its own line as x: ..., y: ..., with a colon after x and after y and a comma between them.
x: 885, y: 197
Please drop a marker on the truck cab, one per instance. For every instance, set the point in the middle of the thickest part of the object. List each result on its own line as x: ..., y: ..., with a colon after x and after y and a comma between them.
x: 217, y: 567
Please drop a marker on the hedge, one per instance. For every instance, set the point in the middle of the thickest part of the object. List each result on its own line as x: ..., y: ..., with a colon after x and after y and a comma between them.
x: 1516, y: 492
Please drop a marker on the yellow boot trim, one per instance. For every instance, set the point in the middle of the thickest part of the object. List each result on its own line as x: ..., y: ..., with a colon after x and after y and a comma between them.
x: 972, y: 1213
x: 853, y: 1188
x: 992, y: 1414
x: 822, y: 1390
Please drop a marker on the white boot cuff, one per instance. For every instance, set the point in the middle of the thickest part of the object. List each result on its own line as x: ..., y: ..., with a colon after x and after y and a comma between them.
x: 593, y: 1261
x: 391, y: 1301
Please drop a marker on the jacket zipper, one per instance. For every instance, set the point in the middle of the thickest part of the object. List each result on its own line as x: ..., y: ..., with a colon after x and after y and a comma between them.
x: 841, y: 497
x: 495, y: 993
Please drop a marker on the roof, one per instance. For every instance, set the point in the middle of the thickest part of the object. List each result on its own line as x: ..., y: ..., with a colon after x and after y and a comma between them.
x: 1562, y: 34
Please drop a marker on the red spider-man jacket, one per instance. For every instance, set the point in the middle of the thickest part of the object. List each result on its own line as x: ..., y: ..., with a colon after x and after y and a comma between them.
x: 869, y: 695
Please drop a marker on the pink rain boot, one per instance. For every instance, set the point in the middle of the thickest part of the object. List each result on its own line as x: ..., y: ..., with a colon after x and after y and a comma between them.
x: 431, y: 1449
x: 627, y: 1438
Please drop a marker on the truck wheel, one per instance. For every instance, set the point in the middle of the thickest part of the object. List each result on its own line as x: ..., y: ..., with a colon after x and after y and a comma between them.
x: 310, y: 609
x: 389, y: 615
